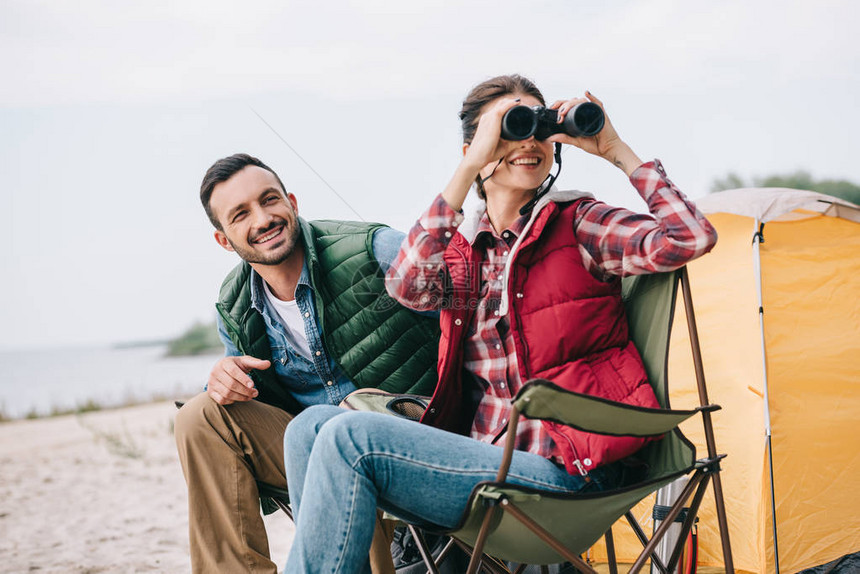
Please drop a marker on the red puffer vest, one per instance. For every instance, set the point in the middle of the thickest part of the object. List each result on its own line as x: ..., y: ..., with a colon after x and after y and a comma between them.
x: 568, y: 327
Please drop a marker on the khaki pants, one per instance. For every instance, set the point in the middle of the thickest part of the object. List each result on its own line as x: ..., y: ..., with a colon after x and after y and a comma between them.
x: 224, y: 451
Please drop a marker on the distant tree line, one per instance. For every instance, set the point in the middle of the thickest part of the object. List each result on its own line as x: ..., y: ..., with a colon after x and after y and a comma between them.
x: 840, y: 188
x: 198, y: 339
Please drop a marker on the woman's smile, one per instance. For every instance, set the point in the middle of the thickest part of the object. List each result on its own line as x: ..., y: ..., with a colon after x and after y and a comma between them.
x: 528, y: 161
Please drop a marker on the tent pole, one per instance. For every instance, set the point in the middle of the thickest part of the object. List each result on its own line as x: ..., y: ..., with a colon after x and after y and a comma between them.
x: 758, y: 238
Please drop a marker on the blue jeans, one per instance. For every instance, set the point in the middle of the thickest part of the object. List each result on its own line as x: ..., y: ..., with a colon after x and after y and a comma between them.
x: 341, y: 465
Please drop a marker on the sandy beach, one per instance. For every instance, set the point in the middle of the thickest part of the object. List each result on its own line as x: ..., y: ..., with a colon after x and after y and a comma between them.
x: 99, y: 492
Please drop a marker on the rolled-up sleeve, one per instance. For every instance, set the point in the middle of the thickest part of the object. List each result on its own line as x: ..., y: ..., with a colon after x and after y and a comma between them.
x: 416, y: 278
x: 617, y: 241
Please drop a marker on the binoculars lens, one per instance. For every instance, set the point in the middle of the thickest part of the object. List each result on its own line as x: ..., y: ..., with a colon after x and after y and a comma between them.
x: 588, y: 118
x: 520, y: 122
x: 523, y: 122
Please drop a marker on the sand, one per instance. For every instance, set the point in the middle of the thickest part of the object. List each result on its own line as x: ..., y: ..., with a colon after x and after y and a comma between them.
x: 99, y: 492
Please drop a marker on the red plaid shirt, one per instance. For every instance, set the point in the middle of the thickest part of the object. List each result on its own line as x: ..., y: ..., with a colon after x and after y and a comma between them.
x: 612, y: 241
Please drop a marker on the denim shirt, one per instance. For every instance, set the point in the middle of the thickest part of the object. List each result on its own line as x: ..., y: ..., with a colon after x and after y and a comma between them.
x: 317, y: 381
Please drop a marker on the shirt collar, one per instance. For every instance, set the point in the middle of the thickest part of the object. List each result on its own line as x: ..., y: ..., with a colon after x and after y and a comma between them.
x: 258, y: 295
x: 485, y: 229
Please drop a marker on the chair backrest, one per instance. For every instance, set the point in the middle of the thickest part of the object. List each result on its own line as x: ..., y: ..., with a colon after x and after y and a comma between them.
x: 650, y: 305
x: 649, y: 301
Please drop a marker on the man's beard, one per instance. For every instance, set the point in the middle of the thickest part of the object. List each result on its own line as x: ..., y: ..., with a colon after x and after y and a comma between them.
x: 279, y: 255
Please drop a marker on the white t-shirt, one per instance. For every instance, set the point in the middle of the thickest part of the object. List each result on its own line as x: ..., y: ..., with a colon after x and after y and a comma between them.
x: 292, y: 320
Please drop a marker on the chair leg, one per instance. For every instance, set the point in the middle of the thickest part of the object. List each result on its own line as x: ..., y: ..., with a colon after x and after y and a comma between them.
x: 722, y: 520
x: 285, y: 507
x: 667, y: 522
x: 687, y: 526
x: 493, y: 565
x: 710, y: 441
x: 643, y: 539
x: 610, y: 551
x: 477, y: 551
x: 445, y: 551
x: 488, y: 563
x: 426, y: 555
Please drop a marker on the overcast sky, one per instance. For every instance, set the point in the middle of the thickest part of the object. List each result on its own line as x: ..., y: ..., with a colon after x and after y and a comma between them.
x: 110, y: 113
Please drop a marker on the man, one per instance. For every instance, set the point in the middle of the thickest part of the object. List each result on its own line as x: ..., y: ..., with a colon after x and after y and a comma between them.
x: 305, y: 320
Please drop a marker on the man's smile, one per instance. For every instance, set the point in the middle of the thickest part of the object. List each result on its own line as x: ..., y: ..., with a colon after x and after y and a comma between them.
x: 269, y: 235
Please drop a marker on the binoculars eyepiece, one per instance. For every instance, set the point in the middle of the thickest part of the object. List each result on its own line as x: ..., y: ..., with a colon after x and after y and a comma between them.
x: 522, y: 122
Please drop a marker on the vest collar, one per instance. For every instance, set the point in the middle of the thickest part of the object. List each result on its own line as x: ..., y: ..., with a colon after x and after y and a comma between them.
x: 312, y: 262
x: 474, y: 211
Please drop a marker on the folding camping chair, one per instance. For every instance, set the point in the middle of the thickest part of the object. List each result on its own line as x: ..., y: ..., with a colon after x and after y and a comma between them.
x: 508, y: 523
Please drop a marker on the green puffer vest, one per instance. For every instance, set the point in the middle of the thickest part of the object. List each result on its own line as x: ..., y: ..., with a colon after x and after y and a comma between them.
x: 376, y: 342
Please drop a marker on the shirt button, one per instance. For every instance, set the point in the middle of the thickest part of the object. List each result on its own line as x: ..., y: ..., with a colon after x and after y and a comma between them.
x: 501, y: 385
x: 424, y: 298
x: 506, y: 234
x: 505, y: 254
x: 329, y: 383
x: 504, y: 421
x: 587, y: 462
x: 307, y: 314
x: 318, y: 353
x: 496, y: 313
x: 498, y: 346
x: 447, y: 234
x: 429, y: 266
x: 519, y: 295
x: 458, y: 321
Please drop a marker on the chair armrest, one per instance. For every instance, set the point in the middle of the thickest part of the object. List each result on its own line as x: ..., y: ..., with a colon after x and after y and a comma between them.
x: 544, y: 400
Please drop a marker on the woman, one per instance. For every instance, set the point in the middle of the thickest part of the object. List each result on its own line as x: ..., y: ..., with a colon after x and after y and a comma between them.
x: 527, y: 287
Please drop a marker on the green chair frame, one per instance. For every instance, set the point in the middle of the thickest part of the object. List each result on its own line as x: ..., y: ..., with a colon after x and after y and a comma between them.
x: 506, y: 523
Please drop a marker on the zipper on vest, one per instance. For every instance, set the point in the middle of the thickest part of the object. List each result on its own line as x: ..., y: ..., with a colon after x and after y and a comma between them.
x: 576, y: 462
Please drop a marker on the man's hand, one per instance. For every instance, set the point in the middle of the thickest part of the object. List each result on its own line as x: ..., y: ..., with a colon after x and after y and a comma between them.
x: 229, y: 381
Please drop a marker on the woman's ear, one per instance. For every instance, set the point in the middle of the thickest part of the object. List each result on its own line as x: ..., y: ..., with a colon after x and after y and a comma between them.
x: 465, y: 148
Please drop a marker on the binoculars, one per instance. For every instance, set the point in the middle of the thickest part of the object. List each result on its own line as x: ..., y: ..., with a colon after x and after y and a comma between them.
x: 523, y: 122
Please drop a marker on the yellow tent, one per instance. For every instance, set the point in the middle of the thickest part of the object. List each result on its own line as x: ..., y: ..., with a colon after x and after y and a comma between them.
x: 777, y: 304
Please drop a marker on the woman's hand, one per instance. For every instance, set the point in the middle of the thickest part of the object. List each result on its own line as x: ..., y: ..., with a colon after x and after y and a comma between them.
x: 486, y: 147
x: 606, y: 143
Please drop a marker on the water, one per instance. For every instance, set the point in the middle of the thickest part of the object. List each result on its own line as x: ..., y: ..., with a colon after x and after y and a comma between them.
x: 40, y: 380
